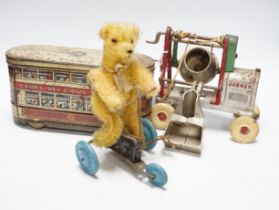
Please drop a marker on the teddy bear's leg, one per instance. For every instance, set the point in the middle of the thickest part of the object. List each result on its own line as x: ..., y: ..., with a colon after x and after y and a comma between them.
x: 131, y: 118
x: 112, y: 126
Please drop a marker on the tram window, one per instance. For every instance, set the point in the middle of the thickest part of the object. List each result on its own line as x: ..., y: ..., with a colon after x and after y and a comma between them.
x: 77, y: 103
x: 32, y: 98
x: 18, y: 97
x: 79, y: 78
x: 30, y: 74
x: 62, y: 77
x: 62, y: 102
x: 45, y: 75
x: 87, y: 104
x: 47, y: 100
x: 18, y: 73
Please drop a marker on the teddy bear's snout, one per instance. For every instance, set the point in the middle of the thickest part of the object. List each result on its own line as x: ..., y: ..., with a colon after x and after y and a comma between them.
x: 130, y: 51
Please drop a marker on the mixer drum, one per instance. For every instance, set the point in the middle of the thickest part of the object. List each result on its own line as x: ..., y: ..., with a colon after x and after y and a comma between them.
x: 199, y: 65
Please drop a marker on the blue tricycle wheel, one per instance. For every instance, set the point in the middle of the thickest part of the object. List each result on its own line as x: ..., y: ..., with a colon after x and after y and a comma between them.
x: 150, y: 134
x: 87, y: 157
x: 156, y: 174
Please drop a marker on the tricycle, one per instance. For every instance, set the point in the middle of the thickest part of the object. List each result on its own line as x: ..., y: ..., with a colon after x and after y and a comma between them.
x: 128, y: 148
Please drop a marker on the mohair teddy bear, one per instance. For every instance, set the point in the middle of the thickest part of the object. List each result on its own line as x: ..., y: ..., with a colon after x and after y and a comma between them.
x: 117, y: 84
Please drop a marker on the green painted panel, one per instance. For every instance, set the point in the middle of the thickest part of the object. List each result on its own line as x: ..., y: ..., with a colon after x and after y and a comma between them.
x: 174, y: 54
x: 231, y: 53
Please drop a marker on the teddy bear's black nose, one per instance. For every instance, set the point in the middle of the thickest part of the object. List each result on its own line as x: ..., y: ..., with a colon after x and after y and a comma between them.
x: 129, y: 51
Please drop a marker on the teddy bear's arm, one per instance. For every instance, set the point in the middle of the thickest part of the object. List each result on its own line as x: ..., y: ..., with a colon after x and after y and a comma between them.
x: 106, y: 90
x: 143, y: 79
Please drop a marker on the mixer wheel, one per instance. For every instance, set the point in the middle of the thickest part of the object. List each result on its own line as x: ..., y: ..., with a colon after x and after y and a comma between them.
x: 244, y: 129
x: 256, y: 113
x: 161, y: 114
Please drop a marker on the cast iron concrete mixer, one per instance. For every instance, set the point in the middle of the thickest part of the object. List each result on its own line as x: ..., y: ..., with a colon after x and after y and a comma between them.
x: 179, y: 105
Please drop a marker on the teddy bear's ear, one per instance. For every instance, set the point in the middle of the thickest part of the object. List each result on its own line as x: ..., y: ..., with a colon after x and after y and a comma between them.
x: 136, y: 32
x: 104, y: 31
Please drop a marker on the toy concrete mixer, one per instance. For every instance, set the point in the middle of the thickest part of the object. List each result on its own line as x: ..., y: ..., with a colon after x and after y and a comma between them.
x: 179, y: 105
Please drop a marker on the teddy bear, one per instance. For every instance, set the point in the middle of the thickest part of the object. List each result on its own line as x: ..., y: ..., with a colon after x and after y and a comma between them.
x: 117, y: 84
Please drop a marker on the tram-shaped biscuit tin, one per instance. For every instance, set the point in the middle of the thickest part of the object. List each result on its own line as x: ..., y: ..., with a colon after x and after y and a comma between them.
x: 49, y: 87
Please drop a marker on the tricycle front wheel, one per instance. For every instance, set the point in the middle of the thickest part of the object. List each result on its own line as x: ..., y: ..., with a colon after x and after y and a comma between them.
x: 156, y: 174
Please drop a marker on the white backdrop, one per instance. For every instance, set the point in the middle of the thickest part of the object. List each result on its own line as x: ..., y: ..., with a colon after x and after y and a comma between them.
x: 38, y: 168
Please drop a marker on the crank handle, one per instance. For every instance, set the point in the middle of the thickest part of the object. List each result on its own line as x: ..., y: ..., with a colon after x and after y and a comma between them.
x: 157, y: 38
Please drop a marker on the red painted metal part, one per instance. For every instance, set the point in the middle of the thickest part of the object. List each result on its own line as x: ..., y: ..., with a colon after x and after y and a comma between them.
x: 60, y: 116
x: 162, y: 116
x: 166, y: 60
x: 245, y: 130
x: 222, y: 72
x: 169, y: 66
x: 54, y: 89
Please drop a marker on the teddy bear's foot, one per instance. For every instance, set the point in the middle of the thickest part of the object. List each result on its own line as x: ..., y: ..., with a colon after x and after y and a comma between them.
x: 110, y: 132
x: 106, y: 137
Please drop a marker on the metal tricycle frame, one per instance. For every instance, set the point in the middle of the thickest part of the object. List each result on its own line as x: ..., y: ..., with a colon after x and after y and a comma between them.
x: 128, y: 148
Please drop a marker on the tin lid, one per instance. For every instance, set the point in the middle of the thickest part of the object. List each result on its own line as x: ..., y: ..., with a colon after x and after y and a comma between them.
x: 48, y: 54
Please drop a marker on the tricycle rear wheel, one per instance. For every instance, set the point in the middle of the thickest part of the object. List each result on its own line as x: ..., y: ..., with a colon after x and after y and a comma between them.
x: 87, y: 157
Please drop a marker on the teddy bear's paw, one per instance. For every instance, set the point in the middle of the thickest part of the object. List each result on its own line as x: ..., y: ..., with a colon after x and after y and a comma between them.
x: 91, y: 76
x: 152, y: 92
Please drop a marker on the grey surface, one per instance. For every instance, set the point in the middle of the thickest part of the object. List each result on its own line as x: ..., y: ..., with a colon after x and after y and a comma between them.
x: 38, y: 169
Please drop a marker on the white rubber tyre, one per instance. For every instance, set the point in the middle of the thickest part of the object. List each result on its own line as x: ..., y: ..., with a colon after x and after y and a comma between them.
x: 256, y: 113
x: 244, y: 129
x: 161, y: 114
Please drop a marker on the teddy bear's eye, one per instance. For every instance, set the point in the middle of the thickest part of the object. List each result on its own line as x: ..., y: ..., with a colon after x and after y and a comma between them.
x: 114, y: 40
x: 132, y: 41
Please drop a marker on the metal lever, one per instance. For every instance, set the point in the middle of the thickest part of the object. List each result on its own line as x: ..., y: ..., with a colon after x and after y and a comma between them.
x: 157, y: 38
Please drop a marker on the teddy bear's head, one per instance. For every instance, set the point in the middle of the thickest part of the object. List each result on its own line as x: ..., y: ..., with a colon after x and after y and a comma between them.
x: 119, y: 42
